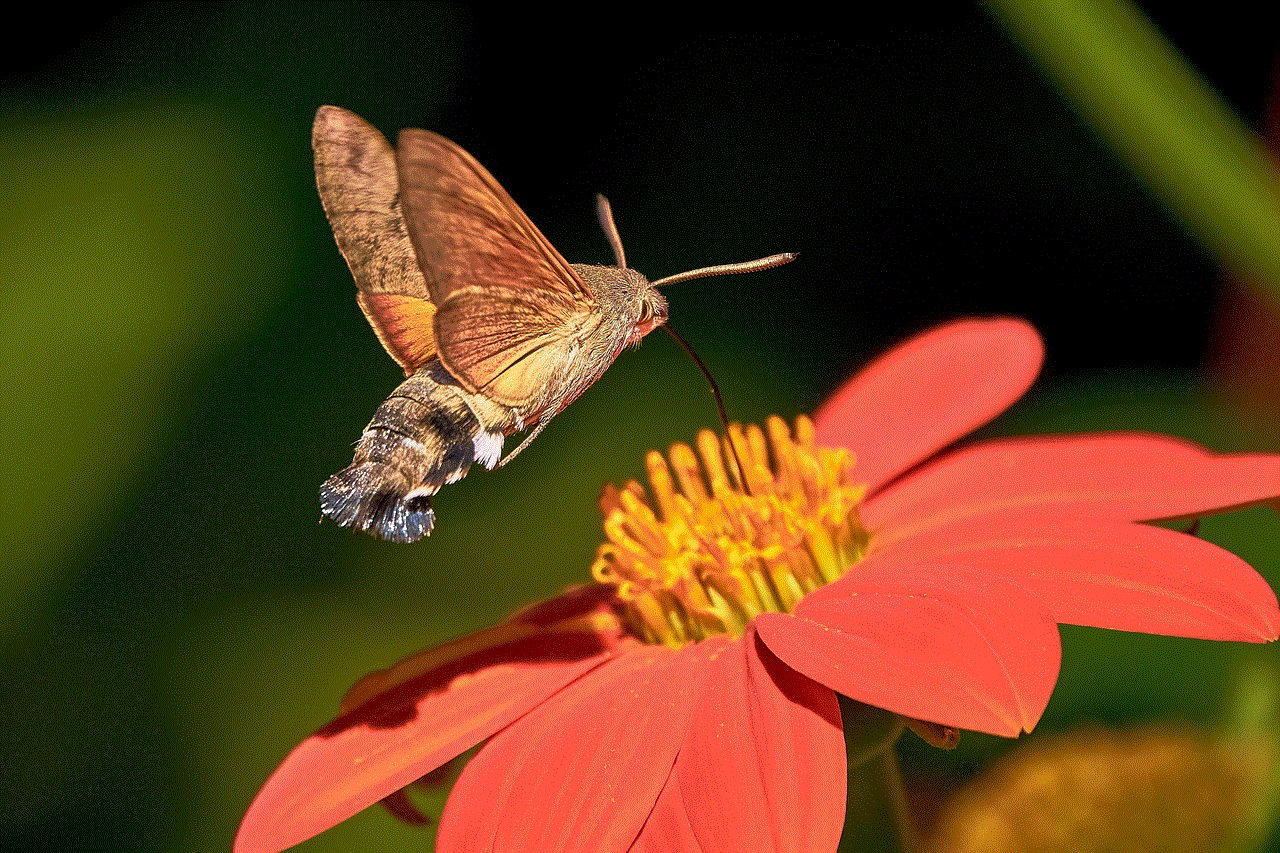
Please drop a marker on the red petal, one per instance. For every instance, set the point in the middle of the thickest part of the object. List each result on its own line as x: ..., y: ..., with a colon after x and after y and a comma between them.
x: 929, y: 391
x: 668, y: 829
x: 1122, y: 477
x: 1123, y: 576
x: 943, y: 644
x: 763, y: 768
x: 581, y: 772
x: 410, y: 730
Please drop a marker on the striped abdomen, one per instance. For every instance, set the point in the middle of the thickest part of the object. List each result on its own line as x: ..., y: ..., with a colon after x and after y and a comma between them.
x: 427, y: 433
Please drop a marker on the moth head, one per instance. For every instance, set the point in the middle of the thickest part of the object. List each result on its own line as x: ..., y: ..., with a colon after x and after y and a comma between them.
x: 638, y: 302
x: 626, y: 298
x: 633, y: 297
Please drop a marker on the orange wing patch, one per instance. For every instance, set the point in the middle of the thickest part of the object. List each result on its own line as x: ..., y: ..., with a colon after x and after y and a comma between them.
x: 403, y: 325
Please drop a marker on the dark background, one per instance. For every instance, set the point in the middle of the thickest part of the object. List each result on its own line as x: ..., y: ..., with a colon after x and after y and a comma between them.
x: 184, y: 362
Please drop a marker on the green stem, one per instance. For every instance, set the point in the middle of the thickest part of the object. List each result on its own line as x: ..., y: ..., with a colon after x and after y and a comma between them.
x: 877, y: 817
x: 890, y: 772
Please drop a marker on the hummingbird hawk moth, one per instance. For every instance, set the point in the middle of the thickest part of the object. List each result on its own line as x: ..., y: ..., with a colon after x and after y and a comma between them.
x: 495, y: 331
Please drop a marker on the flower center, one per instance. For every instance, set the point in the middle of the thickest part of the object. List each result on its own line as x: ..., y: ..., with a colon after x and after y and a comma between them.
x: 715, y: 555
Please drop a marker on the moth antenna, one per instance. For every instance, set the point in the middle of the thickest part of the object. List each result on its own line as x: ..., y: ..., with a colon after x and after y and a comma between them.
x: 715, y: 392
x: 605, y: 214
x: 725, y: 269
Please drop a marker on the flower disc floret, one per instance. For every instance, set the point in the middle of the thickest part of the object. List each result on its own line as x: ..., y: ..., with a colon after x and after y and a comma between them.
x: 715, y: 554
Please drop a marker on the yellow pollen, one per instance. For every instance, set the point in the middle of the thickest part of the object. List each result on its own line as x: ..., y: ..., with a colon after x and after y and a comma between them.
x: 713, y: 555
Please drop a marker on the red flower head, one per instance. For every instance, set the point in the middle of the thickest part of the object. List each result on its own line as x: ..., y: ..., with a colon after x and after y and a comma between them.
x: 687, y: 699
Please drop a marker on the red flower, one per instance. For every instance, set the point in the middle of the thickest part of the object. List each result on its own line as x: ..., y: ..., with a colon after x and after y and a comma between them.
x: 687, y: 700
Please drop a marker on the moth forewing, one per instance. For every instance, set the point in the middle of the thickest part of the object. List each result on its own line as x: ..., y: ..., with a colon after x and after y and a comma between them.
x: 485, y: 263
x: 500, y: 347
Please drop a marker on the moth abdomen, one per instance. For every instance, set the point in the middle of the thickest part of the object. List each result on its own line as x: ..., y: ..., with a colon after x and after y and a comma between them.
x: 375, y: 497
x: 426, y: 434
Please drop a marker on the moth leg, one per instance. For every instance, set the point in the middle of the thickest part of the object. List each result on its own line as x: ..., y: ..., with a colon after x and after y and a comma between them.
x: 537, y: 428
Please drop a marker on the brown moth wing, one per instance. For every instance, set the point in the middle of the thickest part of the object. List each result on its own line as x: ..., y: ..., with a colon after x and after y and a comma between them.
x: 359, y: 188
x: 529, y: 376
x: 505, y: 298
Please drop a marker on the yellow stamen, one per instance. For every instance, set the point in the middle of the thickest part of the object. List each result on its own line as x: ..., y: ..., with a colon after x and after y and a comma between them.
x: 715, y: 555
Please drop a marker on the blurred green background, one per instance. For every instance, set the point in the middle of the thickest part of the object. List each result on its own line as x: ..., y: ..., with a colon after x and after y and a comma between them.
x: 183, y: 362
